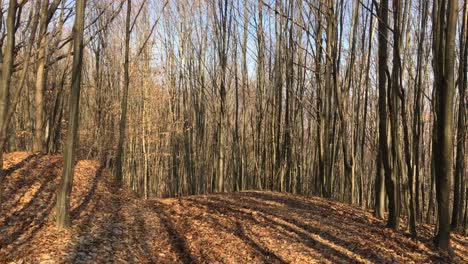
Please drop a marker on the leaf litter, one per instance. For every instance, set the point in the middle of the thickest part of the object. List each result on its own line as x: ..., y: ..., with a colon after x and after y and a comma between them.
x: 112, y: 225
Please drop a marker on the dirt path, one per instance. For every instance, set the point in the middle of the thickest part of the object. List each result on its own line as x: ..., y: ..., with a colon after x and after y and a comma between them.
x: 111, y: 225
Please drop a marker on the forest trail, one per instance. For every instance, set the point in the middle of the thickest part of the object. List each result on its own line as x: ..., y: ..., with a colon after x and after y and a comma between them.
x: 112, y: 225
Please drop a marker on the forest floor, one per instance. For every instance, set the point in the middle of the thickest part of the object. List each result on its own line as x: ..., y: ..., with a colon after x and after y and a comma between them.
x: 111, y: 225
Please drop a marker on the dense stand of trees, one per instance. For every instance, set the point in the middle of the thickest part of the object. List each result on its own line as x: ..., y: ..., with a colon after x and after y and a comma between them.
x: 360, y: 101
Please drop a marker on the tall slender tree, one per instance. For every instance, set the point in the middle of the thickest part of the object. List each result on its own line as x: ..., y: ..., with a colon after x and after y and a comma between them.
x: 385, y: 153
x: 445, y: 14
x: 66, y: 183
x: 459, y: 184
x: 47, y: 11
x: 5, y: 81
x: 124, y: 99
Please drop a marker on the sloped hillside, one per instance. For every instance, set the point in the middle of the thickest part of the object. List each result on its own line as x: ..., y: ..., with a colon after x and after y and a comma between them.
x: 112, y: 225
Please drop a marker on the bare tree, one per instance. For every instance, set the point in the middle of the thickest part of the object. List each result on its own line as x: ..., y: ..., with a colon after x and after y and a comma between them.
x: 41, y: 80
x: 459, y: 196
x: 124, y: 100
x: 5, y: 81
x: 66, y: 183
x: 444, y: 30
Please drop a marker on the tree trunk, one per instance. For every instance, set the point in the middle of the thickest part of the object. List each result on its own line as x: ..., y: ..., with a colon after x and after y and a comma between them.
x: 5, y: 80
x: 400, y: 92
x: 41, y: 81
x: 379, y: 189
x: 418, y: 106
x: 124, y: 100
x: 385, y: 154
x: 445, y: 24
x: 63, y: 195
x: 459, y: 195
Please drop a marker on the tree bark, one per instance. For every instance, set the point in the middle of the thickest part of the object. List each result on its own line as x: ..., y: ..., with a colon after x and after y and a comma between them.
x: 5, y: 80
x: 64, y: 190
x: 124, y: 100
x: 459, y: 184
x: 385, y: 154
x: 445, y: 24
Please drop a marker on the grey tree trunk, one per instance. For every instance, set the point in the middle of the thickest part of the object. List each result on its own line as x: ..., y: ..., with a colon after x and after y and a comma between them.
x: 459, y: 184
x: 418, y: 106
x: 63, y: 195
x: 445, y: 24
x: 5, y: 80
x: 41, y: 76
x: 41, y: 80
x: 124, y: 100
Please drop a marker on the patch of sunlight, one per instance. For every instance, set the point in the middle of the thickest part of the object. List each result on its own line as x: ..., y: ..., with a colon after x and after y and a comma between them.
x: 30, y: 194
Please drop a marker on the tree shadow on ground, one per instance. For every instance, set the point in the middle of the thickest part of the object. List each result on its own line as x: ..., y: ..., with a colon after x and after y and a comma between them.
x: 351, y: 223
x: 94, y: 222
x: 351, y: 220
x: 140, y: 235
x: 87, y: 198
x: 239, y: 230
x: 109, y: 225
x: 27, y: 208
x: 266, y: 221
x: 15, y: 185
x: 105, y: 232
x: 316, y: 224
x: 20, y: 164
x: 178, y: 242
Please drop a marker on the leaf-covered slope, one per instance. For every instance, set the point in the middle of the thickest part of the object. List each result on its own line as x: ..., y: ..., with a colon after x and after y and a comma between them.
x: 111, y: 224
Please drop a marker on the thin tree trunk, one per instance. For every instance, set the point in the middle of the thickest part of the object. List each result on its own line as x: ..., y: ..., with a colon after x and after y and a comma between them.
x: 459, y: 195
x: 385, y: 153
x: 5, y: 80
x: 41, y: 80
x: 64, y: 190
x: 124, y: 100
x: 418, y: 108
